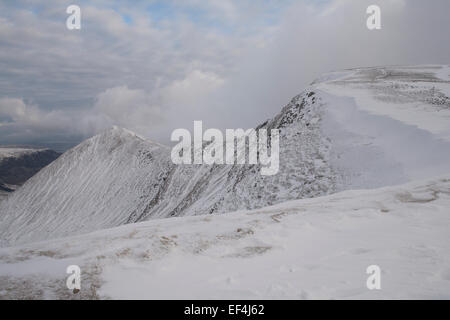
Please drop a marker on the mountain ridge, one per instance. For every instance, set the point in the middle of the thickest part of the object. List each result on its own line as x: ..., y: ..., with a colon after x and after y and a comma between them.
x: 329, y: 142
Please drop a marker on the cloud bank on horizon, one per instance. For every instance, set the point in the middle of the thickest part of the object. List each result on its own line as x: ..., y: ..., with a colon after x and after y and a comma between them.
x: 160, y: 65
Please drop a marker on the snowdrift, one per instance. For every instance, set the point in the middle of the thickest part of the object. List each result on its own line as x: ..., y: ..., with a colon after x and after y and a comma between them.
x: 303, y: 249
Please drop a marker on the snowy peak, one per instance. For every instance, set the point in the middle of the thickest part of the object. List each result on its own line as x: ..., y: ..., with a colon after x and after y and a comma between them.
x: 96, y: 184
x: 116, y: 131
x: 113, y: 137
x: 354, y: 129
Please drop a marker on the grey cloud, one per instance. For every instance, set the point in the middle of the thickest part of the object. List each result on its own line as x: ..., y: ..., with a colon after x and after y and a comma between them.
x: 312, y: 40
x: 154, y: 77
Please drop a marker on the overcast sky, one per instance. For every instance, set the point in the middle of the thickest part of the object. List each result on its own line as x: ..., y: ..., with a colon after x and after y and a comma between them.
x: 153, y: 66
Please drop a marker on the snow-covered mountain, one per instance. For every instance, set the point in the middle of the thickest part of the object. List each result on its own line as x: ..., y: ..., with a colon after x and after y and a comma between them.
x: 19, y: 163
x: 304, y: 249
x: 360, y: 128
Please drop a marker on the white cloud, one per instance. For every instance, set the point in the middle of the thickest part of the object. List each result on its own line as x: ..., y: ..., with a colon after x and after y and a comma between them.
x: 309, y: 42
x: 234, y: 68
x: 142, y: 111
x: 23, y: 123
x: 129, y: 108
x: 17, y: 110
x: 190, y: 90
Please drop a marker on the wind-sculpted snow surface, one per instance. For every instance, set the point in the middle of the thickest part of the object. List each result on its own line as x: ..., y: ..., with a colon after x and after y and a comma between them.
x: 362, y: 128
x: 388, y: 125
x: 304, y: 249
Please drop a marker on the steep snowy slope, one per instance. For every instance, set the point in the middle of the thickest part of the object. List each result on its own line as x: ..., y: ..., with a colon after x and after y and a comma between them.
x: 391, y: 123
x: 89, y: 187
x: 349, y: 129
x: 304, y: 249
x: 117, y: 177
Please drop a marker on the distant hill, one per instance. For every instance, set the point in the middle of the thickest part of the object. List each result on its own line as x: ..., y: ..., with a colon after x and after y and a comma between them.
x: 20, y: 163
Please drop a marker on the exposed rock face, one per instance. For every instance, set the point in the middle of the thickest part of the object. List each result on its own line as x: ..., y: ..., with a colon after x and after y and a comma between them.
x: 349, y: 129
